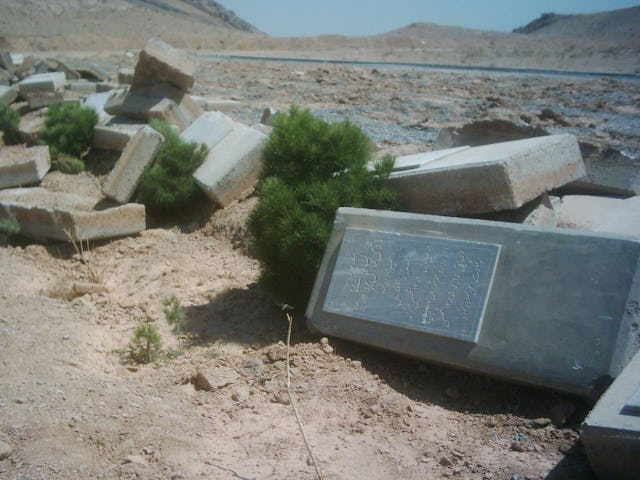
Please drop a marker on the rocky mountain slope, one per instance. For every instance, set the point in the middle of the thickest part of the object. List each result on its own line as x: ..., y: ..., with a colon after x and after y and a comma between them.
x: 616, y: 25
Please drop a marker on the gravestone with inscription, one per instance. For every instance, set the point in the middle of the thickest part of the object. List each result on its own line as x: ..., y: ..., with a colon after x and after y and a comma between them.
x: 611, y: 432
x: 548, y: 307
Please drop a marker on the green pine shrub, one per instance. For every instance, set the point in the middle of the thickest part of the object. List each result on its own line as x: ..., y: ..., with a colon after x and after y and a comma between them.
x: 310, y: 168
x: 168, y: 186
x: 70, y: 165
x: 68, y: 130
x: 9, y: 124
x: 146, y: 344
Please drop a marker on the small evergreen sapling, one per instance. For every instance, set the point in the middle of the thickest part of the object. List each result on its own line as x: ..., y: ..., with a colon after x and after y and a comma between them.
x: 68, y: 130
x: 168, y: 186
x: 310, y: 168
x: 9, y: 124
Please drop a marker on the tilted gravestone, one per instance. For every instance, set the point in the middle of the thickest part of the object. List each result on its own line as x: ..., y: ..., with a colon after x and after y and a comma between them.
x: 547, y: 307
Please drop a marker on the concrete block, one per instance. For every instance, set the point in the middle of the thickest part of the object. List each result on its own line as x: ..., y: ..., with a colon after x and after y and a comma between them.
x: 135, y: 159
x: 114, y: 136
x: 609, y: 172
x: 540, y: 212
x: 114, y: 103
x: 82, y: 86
x: 93, y: 72
x: 547, y: 307
x: 611, y: 432
x: 125, y: 75
x: 20, y: 166
x: 46, y: 215
x: 209, y: 128
x: 600, y: 214
x: 218, y: 105
x: 43, y: 82
x: 30, y: 126
x: 232, y: 166
x: 502, y: 176
x: 160, y: 62
x: 486, y: 132
x: 97, y: 102
x: 162, y: 102
x: 102, y: 87
x: 6, y: 61
x: 44, y: 99
x: 8, y: 94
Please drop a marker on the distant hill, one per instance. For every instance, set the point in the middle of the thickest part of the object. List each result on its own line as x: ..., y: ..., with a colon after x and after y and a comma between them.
x: 616, y: 25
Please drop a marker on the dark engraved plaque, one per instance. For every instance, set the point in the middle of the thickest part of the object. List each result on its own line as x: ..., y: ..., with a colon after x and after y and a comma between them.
x: 428, y: 284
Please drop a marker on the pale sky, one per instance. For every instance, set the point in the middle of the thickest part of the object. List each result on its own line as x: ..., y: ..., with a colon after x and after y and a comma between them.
x: 293, y: 18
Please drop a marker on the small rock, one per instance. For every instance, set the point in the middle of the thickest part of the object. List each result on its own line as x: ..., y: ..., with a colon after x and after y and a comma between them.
x: 136, y: 459
x: 356, y: 364
x: 241, y: 393
x: 327, y: 349
x: 277, y: 352
x: 517, y: 447
x: 541, y: 422
x: 445, y: 462
x: 324, y: 341
x: 5, y: 450
x: 282, y: 398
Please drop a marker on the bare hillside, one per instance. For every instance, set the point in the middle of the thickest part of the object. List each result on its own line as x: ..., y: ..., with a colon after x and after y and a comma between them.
x: 617, y: 25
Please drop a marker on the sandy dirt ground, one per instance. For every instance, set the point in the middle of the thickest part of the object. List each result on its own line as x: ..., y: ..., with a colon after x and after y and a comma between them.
x: 70, y: 407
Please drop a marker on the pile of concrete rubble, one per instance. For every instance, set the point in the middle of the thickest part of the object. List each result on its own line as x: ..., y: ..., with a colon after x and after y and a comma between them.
x: 157, y: 88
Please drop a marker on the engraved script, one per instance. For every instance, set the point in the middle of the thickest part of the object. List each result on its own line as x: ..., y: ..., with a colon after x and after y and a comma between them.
x: 432, y: 285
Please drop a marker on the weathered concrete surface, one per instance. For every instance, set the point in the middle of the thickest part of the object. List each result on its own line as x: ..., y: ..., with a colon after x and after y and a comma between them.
x: 162, y: 102
x: 96, y: 102
x: 30, y: 126
x: 135, y: 159
x: 82, y: 86
x: 114, y: 103
x: 611, y: 432
x: 46, y: 215
x: 209, y: 128
x: 548, y: 307
x: 125, y: 75
x: 486, y: 132
x: 600, y: 214
x: 160, y: 62
x: 216, y: 104
x: 20, y: 166
x: 114, y: 136
x: 232, y: 166
x: 609, y: 172
x: 540, y: 212
x: 8, y: 94
x: 502, y: 176
x: 42, y: 82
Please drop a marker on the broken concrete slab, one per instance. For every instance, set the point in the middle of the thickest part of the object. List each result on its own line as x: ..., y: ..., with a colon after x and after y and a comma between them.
x: 30, y: 126
x: 135, y: 159
x: 539, y: 212
x: 43, y: 82
x: 209, y: 128
x: 160, y: 62
x: 114, y: 103
x: 611, y: 432
x: 482, y: 296
x: 219, y: 105
x: 232, y: 166
x: 162, y: 102
x: 93, y: 72
x: 502, y: 176
x: 114, y: 136
x: 600, y: 214
x: 125, y: 75
x: 609, y: 172
x: 486, y: 132
x: 46, y: 215
x: 82, y: 86
x: 8, y: 94
x: 44, y: 99
x: 6, y: 61
x: 96, y: 102
x: 20, y: 166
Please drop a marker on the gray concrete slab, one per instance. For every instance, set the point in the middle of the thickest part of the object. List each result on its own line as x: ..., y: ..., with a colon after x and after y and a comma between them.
x: 609, y: 172
x: 6, y: 61
x: 125, y: 75
x: 160, y: 62
x: 82, y: 86
x: 135, y: 159
x: 162, y: 102
x: 42, y: 82
x: 611, y: 432
x: 20, y: 166
x: 96, y: 102
x: 30, y: 126
x: 501, y: 176
x: 232, y: 166
x: 546, y: 307
x: 8, y: 94
x: 46, y: 215
x: 209, y: 128
x: 114, y: 136
x: 600, y: 214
